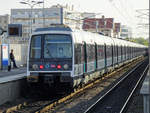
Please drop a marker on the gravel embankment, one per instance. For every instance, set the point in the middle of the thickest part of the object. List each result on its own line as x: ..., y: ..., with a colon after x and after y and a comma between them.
x: 81, y: 102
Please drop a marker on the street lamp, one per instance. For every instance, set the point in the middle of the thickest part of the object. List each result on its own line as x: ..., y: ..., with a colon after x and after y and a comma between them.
x: 31, y: 4
x: 1, y: 31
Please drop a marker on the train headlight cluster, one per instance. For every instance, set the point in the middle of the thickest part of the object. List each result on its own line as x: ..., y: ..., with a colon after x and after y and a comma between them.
x: 59, y: 66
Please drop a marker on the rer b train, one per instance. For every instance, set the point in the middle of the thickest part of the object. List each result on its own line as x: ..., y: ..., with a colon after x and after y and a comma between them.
x: 65, y: 56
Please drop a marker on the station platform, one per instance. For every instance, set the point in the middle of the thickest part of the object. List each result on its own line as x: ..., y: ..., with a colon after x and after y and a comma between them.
x: 11, y: 84
x: 14, y: 71
x: 14, y: 74
x: 145, y: 92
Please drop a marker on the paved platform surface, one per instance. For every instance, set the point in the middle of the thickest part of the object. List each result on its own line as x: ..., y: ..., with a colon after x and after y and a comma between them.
x: 16, y: 71
x: 145, y: 92
x: 137, y: 104
x: 145, y: 88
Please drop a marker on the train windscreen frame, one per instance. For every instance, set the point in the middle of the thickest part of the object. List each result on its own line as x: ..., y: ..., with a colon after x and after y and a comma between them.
x: 35, y: 47
x: 57, y: 46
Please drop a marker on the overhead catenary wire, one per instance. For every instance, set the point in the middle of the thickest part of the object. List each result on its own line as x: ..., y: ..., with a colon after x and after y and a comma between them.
x: 122, y: 15
x: 143, y: 24
x: 125, y: 9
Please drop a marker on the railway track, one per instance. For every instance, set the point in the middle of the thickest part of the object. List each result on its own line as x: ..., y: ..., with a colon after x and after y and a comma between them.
x: 44, y: 105
x: 117, y: 99
x: 29, y: 107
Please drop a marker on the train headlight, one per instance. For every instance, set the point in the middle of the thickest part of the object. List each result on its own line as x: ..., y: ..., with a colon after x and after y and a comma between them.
x: 66, y: 66
x: 35, y: 67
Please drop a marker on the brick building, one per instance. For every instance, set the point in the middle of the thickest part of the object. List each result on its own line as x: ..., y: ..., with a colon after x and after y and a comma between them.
x: 104, y: 25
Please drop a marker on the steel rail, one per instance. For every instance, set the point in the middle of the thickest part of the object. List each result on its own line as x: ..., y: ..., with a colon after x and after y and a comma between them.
x: 89, y: 110
x: 131, y: 94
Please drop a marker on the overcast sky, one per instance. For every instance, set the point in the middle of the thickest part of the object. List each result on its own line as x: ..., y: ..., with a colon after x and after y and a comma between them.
x: 123, y: 11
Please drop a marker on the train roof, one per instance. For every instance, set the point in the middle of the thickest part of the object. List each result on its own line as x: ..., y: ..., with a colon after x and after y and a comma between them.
x: 53, y: 29
x: 105, y: 39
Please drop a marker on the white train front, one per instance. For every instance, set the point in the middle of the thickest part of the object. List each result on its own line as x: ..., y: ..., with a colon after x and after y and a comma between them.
x: 63, y: 56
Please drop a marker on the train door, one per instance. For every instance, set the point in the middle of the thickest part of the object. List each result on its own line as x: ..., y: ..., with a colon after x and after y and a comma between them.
x: 133, y: 49
x: 121, y: 54
x: 112, y: 49
x: 130, y: 53
x: 84, y: 57
x: 105, y: 61
x: 95, y: 56
x: 125, y: 53
x: 117, y: 53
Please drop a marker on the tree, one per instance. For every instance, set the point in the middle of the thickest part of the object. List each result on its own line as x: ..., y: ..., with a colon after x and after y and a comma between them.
x: 139, y: 40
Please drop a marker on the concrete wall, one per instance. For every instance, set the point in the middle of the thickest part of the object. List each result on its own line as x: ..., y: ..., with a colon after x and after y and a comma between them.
x: 0, y: 58
x: 145, y: 92
x: 10, y: 91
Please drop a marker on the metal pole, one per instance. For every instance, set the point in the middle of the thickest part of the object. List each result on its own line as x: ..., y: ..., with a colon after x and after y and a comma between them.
x: 149, y: 59
x: 43, y: 15
x: 31, y: 20
x: 1, y: 66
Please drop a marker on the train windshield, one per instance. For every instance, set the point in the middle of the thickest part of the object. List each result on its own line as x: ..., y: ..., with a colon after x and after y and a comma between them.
x: 57, y: 46
x: 35, y: 51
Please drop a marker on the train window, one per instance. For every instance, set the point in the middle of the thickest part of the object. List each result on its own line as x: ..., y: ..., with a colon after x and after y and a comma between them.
x: 78, y: 57
x: 35, y: 51
x: 90, y: 52
x: 125, y: 51
x: 115, y: 51
x: 57, y: 46
x: 109, y: 51
x: 100, y: 52
x: 119, y: 50
x: 112, y: 49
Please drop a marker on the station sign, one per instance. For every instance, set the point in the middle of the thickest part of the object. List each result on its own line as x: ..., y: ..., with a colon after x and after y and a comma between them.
x: 15, y: 30
x: 5, y: 55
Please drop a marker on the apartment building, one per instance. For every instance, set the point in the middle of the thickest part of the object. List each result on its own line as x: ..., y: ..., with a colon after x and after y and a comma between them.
x: 39, y: 17
x: 126, y: 32
x: 4, y: 21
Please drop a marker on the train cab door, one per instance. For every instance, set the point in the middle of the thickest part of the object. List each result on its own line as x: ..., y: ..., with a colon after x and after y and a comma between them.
x: 95, y: 56
x: 84, y: 57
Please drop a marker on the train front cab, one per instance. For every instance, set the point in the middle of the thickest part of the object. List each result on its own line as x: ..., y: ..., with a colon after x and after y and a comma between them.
x: 50, y: 59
